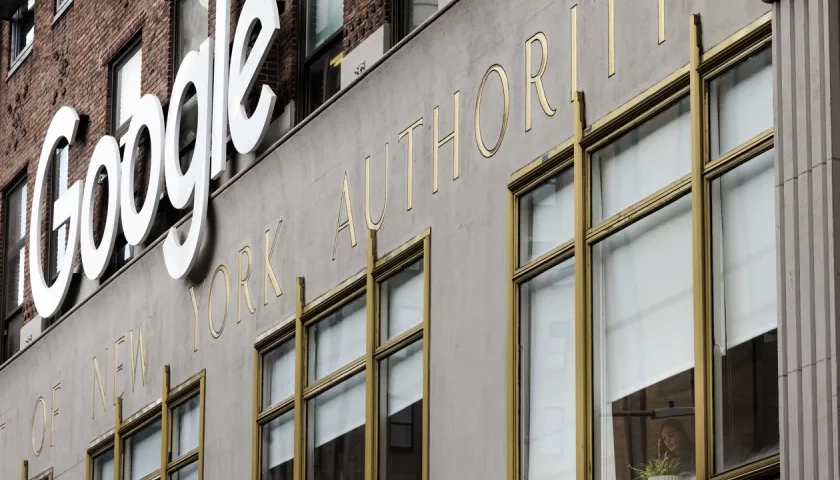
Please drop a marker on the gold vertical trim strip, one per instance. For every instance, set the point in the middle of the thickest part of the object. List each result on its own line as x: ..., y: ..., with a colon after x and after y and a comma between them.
x: 513, y: 345
x: 300, y: 382
x: 427, y: 315
x: 88, y: 467
x: 702, y: 338
x: 165, y: 420
x: 583, y: 338
x: 573, y: 50
x: 370, y: 362
x: 118, y: 464
x: 661, y: 15
x: 255, y: 434
x: 24, y: 470
x: 611, y: 36
x: 202, y: 400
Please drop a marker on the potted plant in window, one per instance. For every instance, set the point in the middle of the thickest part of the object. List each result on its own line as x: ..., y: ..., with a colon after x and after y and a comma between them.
x: 662, y: 467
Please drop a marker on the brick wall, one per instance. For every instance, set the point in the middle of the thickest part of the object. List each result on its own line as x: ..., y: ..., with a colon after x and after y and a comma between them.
x: 69, y: 65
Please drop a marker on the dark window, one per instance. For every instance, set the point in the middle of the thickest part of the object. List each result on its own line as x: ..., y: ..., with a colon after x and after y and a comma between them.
x: 22, y: 32
x: 14, y: 257
x: 57, y: 238
x: 323, y: 51
x: 59, y: 4
x: 409, y: 14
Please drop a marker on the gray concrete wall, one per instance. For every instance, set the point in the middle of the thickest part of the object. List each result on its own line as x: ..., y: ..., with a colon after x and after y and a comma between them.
x: 300, y: 184
x: 807, y: 68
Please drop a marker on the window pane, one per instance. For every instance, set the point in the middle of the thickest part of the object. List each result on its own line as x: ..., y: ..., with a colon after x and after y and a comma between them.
x: 741, y: 103
x: 142, y: 452
x: 128, y: 86
x: 16, y: 203
x: 192, y: 26
x: 14, y: 279
x: 278, y: 374
x: 642, y: 161
x: 546, y: 216
x: 13, y: 326
x: 401, y: 447
x: 23, y: 29
x: 185, y: 427
x: 58, y: 239
x: 401, y: 301
x: 337, y: 340
x: 419, y: 11
x: 744, y: 302
x: 325, y: 17
x: 337, y: 421
x: 547, y: 358
x: 190, y: 472
x: 324, y: 77
x: 103, y: 466
x: 278, y: 448
x: 643, y: 352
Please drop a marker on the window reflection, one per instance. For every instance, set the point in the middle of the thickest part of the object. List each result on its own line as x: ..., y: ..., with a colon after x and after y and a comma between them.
x: 337, y: 438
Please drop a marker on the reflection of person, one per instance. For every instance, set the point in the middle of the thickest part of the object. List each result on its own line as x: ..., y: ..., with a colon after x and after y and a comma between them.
x: 678, y: 443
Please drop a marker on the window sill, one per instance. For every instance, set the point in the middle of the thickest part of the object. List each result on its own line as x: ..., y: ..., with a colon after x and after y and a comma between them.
x: 19, y: 61
x: 59, y: 14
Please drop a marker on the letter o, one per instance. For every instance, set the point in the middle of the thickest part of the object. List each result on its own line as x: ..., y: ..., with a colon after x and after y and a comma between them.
x: 137, y: 224
x: 506, y: 93
x: 106, y: 155
x: 37, y: 450
x: 223, y: 270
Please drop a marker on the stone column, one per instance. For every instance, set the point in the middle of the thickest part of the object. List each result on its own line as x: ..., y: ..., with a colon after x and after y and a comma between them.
x: 807, y: 104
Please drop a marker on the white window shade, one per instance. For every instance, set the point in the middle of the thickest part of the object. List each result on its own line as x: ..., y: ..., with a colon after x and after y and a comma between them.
x: 546, y: 216
x: 281, y: 440
x: 547, y: 316
x: 103, y: 466
x: 741, y: 103
x: 185, y: 428
x: 338, y: 339
x: 744, y: 252
x: 643, y: 302
x: 642, y: 161
x: 339, y: 410
x: 279, y: 374
x: 405, y: 377
x: 401, y: 301
x: 128, y: 86
x: 143, y: 452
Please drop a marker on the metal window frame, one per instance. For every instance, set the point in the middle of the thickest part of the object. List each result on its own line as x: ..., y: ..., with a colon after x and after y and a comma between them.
x: 691, y: 80
x: 18, y: 53
x: 20, y: 182
x: 295, y: 328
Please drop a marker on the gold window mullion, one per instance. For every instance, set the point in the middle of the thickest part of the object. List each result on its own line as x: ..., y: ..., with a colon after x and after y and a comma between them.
x: 371, y: 370
x: 118, y: 464
x: 165, y: 421
x: 583, y: 337
x: 299, y: 462
x: 427, y: 313
x: 699, y: 214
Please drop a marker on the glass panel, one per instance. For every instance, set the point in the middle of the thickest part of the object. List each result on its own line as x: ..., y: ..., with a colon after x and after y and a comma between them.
x: 337, y: 421
x: 741, y: 103
x: 16, y: 203
x: 192, y: 27
x: 547, y: 358
x: 325, y: 17
x: 401, y: 301
x: 185, y: 427
x: 419, y: 11
x: 746, y: 395
x: 337, y: 340
x: 142, y: 452
x: 128, y: 86
x: 103, y: 466
x: 23, y: 29
x: 13, y: 326
x: 278, y: 448
x: 546, y: 216
x: 643, y: 332
x: 190, y: 472
x: 324, y: 79
x: 278, y: 374
x: 401, y: 438
x: 642, y: 161
x: 14, y: 277
x: 59, y: 237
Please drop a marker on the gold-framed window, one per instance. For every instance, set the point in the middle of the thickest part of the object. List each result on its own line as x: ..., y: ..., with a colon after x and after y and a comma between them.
x: 643, y: 293
x: 342, y: 385
x: 164, y: 440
